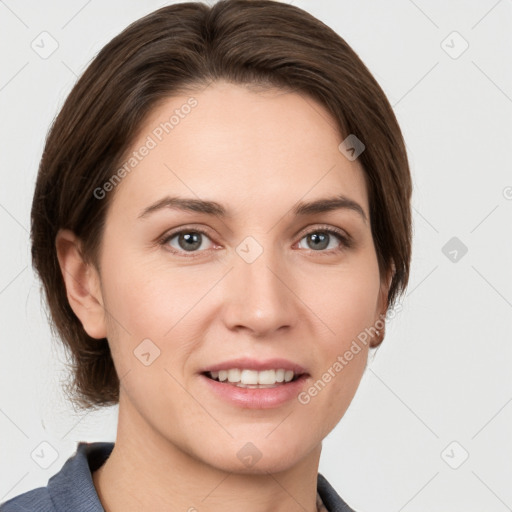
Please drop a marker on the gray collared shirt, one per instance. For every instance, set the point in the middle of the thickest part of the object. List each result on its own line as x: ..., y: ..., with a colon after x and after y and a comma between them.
x: 72, y: 488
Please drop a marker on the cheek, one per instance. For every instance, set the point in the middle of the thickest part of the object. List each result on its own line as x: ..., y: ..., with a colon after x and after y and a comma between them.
x: 150, y: 299
x: 348, y: 310
x: 346, y: 300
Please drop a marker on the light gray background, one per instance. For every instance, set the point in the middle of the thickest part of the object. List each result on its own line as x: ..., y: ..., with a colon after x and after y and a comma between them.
x: 443, y: 372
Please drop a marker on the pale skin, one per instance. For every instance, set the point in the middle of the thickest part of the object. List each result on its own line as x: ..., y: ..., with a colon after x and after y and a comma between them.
x: 258, y: 154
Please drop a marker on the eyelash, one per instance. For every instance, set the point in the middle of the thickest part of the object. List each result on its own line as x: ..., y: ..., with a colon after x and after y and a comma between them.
x: 346, y: 241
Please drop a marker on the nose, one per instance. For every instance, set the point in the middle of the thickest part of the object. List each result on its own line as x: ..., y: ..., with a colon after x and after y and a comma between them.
x: 258, y: 296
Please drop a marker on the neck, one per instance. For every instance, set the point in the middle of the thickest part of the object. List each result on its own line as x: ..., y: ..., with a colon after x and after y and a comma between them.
x: 146, y: 471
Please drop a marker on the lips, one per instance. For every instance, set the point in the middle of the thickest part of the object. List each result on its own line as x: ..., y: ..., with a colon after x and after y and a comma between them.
x: 255, y: 396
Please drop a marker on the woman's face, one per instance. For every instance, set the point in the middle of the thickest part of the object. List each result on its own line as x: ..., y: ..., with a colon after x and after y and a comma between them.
x: 262, y: 282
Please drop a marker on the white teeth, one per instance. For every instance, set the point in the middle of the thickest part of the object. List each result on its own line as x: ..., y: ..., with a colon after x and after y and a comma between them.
x: 234, y: 375
x: 253, y: 377
x: 288, y: 375
x: 249, y: 377
x: 267, y: 377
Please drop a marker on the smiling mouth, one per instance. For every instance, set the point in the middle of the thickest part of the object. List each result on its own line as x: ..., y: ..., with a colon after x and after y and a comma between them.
x: 253, y: 379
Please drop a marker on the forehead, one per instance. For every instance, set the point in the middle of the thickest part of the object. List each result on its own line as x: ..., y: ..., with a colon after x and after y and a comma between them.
x: 240, y: 147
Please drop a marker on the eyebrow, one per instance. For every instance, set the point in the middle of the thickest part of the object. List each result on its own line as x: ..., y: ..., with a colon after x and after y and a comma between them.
x: 215, y: 209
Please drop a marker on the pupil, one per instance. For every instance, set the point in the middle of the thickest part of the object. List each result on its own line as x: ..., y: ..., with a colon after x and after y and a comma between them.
x: 192, y: 241
x: 322, y: 238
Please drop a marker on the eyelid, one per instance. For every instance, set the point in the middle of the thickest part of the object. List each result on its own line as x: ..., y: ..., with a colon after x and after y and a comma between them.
x: 345, y: 239
x: 162, y: 240
x: 347, y: 242
x: 326, y: 227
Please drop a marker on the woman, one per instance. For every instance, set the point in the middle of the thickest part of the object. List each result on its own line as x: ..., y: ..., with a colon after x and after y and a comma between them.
x: 221, y: 221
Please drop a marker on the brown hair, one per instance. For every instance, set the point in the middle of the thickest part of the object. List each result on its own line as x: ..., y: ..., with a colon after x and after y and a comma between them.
x: 178, y: 48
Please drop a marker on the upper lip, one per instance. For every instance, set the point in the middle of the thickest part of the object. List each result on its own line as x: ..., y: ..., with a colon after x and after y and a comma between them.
x: 254, y: 364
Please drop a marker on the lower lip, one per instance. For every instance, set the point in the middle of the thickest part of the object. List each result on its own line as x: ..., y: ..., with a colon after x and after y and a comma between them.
x: 257, y: 398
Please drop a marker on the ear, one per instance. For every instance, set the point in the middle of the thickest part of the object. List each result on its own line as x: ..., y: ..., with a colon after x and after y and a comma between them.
x: 82, y: 284
x: 382, y: 307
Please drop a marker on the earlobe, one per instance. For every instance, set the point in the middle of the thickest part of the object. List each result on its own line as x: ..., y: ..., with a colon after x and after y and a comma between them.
x: 82, y: 284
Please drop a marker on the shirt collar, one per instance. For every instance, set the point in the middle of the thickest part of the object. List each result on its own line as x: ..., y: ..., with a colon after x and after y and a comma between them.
x: 72, y: 487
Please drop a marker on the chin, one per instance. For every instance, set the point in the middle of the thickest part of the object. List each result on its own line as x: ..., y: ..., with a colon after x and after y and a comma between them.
x: 270, y: 464
x: 271, y: 455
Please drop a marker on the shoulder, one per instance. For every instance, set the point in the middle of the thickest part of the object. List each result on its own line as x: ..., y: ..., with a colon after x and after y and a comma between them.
x: 71, y: 489
x: 36, y: 500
